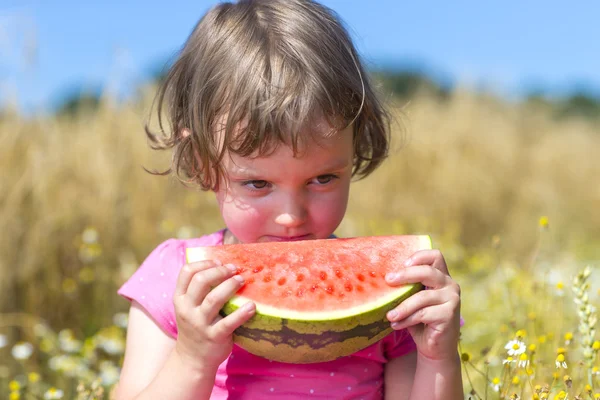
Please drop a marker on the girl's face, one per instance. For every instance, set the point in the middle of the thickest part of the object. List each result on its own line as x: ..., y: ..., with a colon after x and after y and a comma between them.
x: 281, y: 197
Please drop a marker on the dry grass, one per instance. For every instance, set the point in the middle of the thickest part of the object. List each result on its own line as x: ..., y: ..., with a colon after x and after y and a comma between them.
x: 79, y: 213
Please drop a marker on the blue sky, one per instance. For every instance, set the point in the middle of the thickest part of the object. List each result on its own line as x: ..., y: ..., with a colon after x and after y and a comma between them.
x: 509, y: 46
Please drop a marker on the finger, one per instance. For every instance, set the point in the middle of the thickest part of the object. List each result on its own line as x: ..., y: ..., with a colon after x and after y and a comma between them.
x: 217, y: 297
x: 417, y: 302
x: 428, y: 257
x: 424, y: 274
x: 225, y: 326
x: 429, y: 316
x: 203, y: 281
x: 187, y: 272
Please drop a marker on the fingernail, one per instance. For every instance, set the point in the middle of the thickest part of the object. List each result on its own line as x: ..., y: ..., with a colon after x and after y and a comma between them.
x: 217, y: 262
x: 231, y: 267
x: 239, y: 278
x: 395, y: 325
x: 408, y: 262
x: 248, y: 307
x: 392, y: 276
x: 392, y: 314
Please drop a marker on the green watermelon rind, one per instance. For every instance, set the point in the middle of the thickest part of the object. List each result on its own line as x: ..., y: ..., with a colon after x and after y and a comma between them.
x: 307, y: 337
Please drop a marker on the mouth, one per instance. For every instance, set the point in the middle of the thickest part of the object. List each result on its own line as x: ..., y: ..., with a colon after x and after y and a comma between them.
x: 287, y: 238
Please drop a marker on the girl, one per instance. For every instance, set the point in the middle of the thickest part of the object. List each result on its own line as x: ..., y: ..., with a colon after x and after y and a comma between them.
x: 270, y: 109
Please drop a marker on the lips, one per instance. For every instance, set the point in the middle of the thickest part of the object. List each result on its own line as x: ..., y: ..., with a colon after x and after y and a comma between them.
x: 287, y: 238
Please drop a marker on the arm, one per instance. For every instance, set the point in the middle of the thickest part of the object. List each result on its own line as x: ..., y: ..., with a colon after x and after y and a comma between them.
x: 415, y: 377
x: 160, y: 373
x: 432, y: 317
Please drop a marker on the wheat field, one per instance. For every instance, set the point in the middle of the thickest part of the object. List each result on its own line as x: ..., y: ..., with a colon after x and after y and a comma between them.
x: 509, y: 194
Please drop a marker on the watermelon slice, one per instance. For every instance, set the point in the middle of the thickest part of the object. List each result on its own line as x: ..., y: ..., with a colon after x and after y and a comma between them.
x: 316, y: 300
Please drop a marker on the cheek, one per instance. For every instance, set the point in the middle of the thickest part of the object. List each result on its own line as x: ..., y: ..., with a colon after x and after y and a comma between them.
x: 330, y: 210
x: 240, y: 213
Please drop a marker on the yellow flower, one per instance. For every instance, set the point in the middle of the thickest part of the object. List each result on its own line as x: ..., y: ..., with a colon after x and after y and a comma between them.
x: 588, y: 389
x: 542, y: 339
x: 560, y: 361
x: 521, y: 333
x: 560, y: 285
x: 543, y: 222
x: 515, y: 380
x: 532, y: 348
x: 596, y: 345
x: 69, y: 285
x: 561, y: 350
x: 33, y: 377
x: 568, y: 337
x: 561, y: 395
x: 14, y: 396
x: 531, y: 316
x: 14, y: 386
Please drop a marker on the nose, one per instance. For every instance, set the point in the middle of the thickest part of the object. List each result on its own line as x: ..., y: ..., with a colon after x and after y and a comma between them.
x: 293, y: 213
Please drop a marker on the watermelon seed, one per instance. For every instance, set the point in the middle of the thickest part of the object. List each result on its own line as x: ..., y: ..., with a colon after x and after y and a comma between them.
x: 314, y: 287
x: 267, y: 278
x: 300, y: 292
x: 258, y: 269
x: 373, y: 274
x: 329, y: 289
x: 360, y: 277
x: 360, y: 288
x: 348, y: 287
x: 281, y: 281
x: 338, y: 273
x: 250, y: 280
x: 323, y: 275
x: 300, y: 278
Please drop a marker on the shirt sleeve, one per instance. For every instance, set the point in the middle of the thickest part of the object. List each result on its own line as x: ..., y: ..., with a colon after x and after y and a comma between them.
x: 397, y: 344
x: 153, y: 283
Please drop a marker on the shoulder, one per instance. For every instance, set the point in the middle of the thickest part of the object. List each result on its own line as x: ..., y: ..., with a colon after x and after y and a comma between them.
x: 153, y: 283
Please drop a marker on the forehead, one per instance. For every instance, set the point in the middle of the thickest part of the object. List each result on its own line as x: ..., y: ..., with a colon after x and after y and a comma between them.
x: 314, y: 152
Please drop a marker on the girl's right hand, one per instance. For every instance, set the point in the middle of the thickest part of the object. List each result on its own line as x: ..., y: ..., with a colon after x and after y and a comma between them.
x: 205, y: 339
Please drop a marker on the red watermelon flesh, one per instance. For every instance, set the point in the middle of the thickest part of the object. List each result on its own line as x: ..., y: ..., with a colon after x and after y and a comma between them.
x: 316, y: 275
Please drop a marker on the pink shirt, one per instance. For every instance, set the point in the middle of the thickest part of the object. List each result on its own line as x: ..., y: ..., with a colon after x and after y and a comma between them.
x: 246, y: 376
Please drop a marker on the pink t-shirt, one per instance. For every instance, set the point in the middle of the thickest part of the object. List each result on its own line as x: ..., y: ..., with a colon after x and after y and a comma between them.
x: 246, y: 376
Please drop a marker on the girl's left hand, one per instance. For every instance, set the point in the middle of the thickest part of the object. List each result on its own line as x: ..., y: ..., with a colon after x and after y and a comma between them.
x: 432, y: 316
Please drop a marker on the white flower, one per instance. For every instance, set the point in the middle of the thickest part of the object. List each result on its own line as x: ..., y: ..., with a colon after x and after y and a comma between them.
x: 496, y: 385
x: 53, y: 393
x: 89, y: 236
x: 3, y: 341
x: 109, y: 373
x: 121, y: 320
x: 515, y: 347
x: 509, y: 360
x: 112, y: 346
x: 22, y: 351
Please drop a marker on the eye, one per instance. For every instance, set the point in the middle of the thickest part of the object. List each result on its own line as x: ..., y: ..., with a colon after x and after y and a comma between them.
x: 255, y: 184
x: 325, y: 179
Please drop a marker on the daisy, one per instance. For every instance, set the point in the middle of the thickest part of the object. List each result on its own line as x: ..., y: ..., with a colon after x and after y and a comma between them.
x: 515, y: 347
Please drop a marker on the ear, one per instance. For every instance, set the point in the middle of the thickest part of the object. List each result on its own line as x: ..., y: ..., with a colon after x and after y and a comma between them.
x: 185, y: 132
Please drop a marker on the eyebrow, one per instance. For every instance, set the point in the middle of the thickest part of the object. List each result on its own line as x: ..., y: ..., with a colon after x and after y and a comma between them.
x: 331, y: 167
